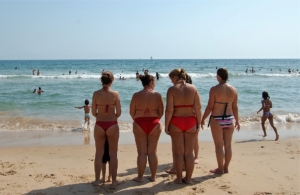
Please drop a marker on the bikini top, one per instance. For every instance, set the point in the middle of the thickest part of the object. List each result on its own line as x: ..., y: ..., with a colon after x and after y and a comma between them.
x: 184, y: 106
x: 224, y: 114
x: 107, y: 105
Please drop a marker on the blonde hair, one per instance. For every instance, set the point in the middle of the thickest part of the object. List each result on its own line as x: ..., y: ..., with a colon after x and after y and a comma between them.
x: 180, y: 73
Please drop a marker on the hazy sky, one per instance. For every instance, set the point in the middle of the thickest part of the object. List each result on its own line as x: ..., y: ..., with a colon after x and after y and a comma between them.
x: 124, y: 29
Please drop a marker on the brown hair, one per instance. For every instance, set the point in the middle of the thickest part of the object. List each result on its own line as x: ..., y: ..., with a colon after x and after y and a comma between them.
x: 223, y: 73
x: 146, y: 79
x: 180, y: 73
x: 107, y: 77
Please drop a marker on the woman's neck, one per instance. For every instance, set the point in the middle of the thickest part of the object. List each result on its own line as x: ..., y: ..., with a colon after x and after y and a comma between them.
x: 147, y: 89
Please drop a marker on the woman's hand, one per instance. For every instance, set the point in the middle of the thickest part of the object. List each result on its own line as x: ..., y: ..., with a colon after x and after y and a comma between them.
x: 202, y: 124
x: 167, y: 131
x: 237, y: 126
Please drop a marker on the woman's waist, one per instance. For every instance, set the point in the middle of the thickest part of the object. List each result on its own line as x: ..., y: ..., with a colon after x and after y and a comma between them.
x: 106, y: 118
x: 184, y: 113
x: 140, y: 115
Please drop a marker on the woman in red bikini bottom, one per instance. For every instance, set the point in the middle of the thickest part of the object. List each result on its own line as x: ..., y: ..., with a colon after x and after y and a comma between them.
x: 106, y: 108
x: 222, y: 104
x: 183, y: 113
x: 146, y: 109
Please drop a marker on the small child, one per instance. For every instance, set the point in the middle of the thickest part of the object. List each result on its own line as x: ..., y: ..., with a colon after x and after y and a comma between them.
x: 106, y: 159
x: 87, y: 109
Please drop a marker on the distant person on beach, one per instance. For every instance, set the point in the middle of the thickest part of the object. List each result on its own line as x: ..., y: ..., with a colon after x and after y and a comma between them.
x: 38, y: 73
x: 137, y: 74
x: 105, y: 161
x: 34, y: 91
x: 183, y: 113
x: 87, y: 109
x: 33, y: 71
x: 266, y: 108
x: 146, y: 109
x: 146, y: 72
x: 76, y: 72
x: 289, y: 70
x: 246, y: 70
x: 106, y: 107
x: 40, y: 90
x: 69, y: 71
x: 222, y: 105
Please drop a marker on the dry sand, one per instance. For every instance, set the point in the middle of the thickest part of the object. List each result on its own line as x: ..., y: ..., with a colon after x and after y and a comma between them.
x: 257, y: 167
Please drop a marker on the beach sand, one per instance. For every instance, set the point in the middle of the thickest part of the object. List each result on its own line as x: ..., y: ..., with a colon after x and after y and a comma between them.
x: 257, y: 167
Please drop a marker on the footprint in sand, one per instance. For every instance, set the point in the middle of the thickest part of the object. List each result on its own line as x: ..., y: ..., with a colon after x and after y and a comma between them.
x: 224, y: 187
x: 10, y: 172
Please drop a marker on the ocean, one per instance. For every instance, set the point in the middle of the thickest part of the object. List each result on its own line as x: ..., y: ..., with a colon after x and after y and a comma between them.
x: 53, y: 110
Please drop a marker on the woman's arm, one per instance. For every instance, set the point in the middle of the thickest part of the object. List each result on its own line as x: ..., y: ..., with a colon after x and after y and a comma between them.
x: 78, y: 107
x: 262, y: 107
x: 235, y: 111
x: 161, y: 107
x: 94, y: 107
x: 169, y: 110
x: 132, y: 107
x: 209, y: 107
x: 118, y: 105
x: 197, y: 107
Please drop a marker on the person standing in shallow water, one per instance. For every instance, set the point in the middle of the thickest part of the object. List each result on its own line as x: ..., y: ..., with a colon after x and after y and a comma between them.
x: 266, y: 107
x: 222, y: 104
x: 106, y: 107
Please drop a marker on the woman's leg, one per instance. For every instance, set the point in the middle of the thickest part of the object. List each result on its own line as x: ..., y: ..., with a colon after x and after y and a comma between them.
x: 178, y: 149
x: 189, y: 142
x: 112, y: 134
x: 217, y: 134
x: 141, y: 146
x: 196, y: 149
x: 227, y: 135
x: 153, y: 138
x: 270, y: 118
x: 263, y: 120
x: 99, y: 135
x: 103, y: 172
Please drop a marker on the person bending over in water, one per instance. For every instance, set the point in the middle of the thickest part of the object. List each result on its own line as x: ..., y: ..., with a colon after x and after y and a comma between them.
x: 266, y: 107
x: 146, y: 109
x: 222, y: 105
x: 87, y: 109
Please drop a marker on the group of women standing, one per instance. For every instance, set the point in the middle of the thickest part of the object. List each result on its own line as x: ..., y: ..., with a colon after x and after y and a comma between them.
x: 183, y: 119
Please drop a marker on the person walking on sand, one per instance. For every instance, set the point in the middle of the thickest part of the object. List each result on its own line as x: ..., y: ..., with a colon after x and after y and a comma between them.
x: 87, y: 109
x: 222, y: 104
x: 266, y: 105
x: 146, y: 109
x: 106, y: 107
x: 183, y: 113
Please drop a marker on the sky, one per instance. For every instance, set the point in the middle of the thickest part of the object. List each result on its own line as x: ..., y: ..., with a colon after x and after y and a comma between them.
x: 139, y: 29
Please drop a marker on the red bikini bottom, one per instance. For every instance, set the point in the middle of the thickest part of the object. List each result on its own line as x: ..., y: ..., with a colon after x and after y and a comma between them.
x: 147, y: 123
x: 106, y: 124
x: 183, y: 123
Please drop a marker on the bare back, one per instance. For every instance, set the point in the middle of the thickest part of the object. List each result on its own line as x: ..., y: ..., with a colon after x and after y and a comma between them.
x: 146, y: 103
x: 220, y: 95
x: 87, y: 108
x: 183, y: 94
x: 106, y: 105
x: 267, y: 105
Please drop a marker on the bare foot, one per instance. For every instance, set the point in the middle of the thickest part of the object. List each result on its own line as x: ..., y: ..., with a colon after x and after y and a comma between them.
x: 137, y: 180
x: 265, y: 135
x: 116, y: 183
x: 185, y: 181
x: 226, y: 170
x: 277, y: 137
x: 96, y: 183
x: 152, y: 179
x: 177, y: 181
x: 171, y: 171
x: 216, y: 171
x: 196, y: 161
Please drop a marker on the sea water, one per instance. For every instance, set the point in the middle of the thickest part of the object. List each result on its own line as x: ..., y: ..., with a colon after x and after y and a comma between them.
x: 22, y: 110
